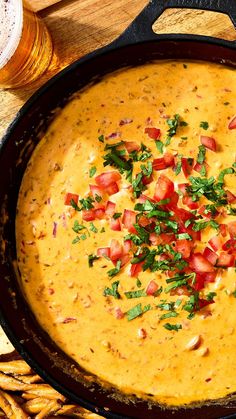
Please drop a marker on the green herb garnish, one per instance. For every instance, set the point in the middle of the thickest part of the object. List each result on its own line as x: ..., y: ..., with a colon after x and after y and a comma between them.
x: 204, y: 125
x: 113, y: 291
x: 92, y: 171
x: 91, y: 259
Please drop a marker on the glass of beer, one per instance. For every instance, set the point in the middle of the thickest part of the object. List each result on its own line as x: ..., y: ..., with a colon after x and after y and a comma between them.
x: 25, y: 45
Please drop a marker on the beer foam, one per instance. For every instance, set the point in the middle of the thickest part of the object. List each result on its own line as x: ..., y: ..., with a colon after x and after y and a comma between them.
x: 11, y: 23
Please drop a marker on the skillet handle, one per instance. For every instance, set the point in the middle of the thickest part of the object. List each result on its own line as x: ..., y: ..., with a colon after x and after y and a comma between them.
x: 141, y: 28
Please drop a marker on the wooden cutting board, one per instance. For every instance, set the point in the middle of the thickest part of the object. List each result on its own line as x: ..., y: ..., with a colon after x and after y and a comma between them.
x: 80, y: 26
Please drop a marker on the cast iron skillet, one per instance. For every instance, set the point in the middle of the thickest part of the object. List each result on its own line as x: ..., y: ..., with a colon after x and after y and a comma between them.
x: 136, y: 45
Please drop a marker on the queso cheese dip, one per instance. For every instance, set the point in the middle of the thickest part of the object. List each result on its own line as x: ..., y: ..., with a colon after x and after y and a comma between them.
x: 126, y: 231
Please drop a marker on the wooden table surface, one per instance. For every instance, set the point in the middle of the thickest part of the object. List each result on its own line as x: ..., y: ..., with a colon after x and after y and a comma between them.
x: 80, y: 26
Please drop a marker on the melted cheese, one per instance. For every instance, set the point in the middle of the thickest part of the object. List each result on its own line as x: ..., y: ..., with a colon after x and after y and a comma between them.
x: 66, y: 295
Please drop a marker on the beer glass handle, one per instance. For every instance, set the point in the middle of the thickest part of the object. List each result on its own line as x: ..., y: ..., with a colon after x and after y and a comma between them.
x: 141, y: 28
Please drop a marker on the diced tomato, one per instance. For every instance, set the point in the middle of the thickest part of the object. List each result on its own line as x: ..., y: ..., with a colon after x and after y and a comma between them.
x: 163, y: 162
x: 208, y: 214
x: 131, y: 146
x: 129, y: 219
x: 115, y: 224
x: 223, y: 230
x: 182, y: 187
x: 164, y: 188
x: 112, y: 189
x: 103, y: 251
x: 110, y: 208
x: 169, y: 159
x: 153, y: 133
x: 232, y: 229
x: 151, y: 288
x: 204, y: 303
x: 99, y: 213
x: 127, y: 246
x: 144, y: 221
x: 147, y: 179
x: 116, y: 250
x: 136, y: 268
x: 200, y: 281
x: 106, y: 179
x: 167, y: 238
x: 155, y: 239
x: 230, y: 246
x: 187, y: 166
x: 232, y: 123
x: 88, y: 215
x: 187, y: 200
x: 96, y: 191
x: 198, y: 167
x: 196, y: 235
x: 210, y: 255
x: 210, y: 277
x: 159, y: 164
x: 118, y: 313
x: 182, y: 215
x: 125, y: 259
x: 71, y: 197
x: 226, y: 260
x: 200, y: 264
x: 173, y: 200
x: 216, y: 242
x: 208, y: 142
x: 231, y: 198
x: 143, y: 198
x: 184, y: 247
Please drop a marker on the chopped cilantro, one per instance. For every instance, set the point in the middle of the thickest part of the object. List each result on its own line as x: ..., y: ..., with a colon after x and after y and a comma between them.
x: 74, y: 205
x: 137, y: 311
x: 91, y: 259
x: 204, y: 125
x: 200, y: 225
x: 184, y: 236
x: 138, y: 185
x: 93, y: 228
x: 117, y: 215
x: 168, y: 315
x: 135, y: 294
x: 77, y: 227
x: 147, y: 170
x: 76, y: 240
x: 210, y: 296
x: 98, y: 198
x: 92, y: 171
x: 116, y: 270
x: 178, y: 167
x: 176, y: 327
x: 159, y: 146
x: 86, y: 203
x: 201, y: 154
x: 101, y: 138
x: 183, y: 124
x: 227, y: 171
x: 138, y: 283
x: 173, y: 125
x: 113, y: 291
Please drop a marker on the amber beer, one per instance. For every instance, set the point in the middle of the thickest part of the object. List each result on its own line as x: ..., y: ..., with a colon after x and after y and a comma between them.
x: 25, y: 44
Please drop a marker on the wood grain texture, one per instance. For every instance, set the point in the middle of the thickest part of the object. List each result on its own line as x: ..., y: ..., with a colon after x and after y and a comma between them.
x: 41, y: 4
